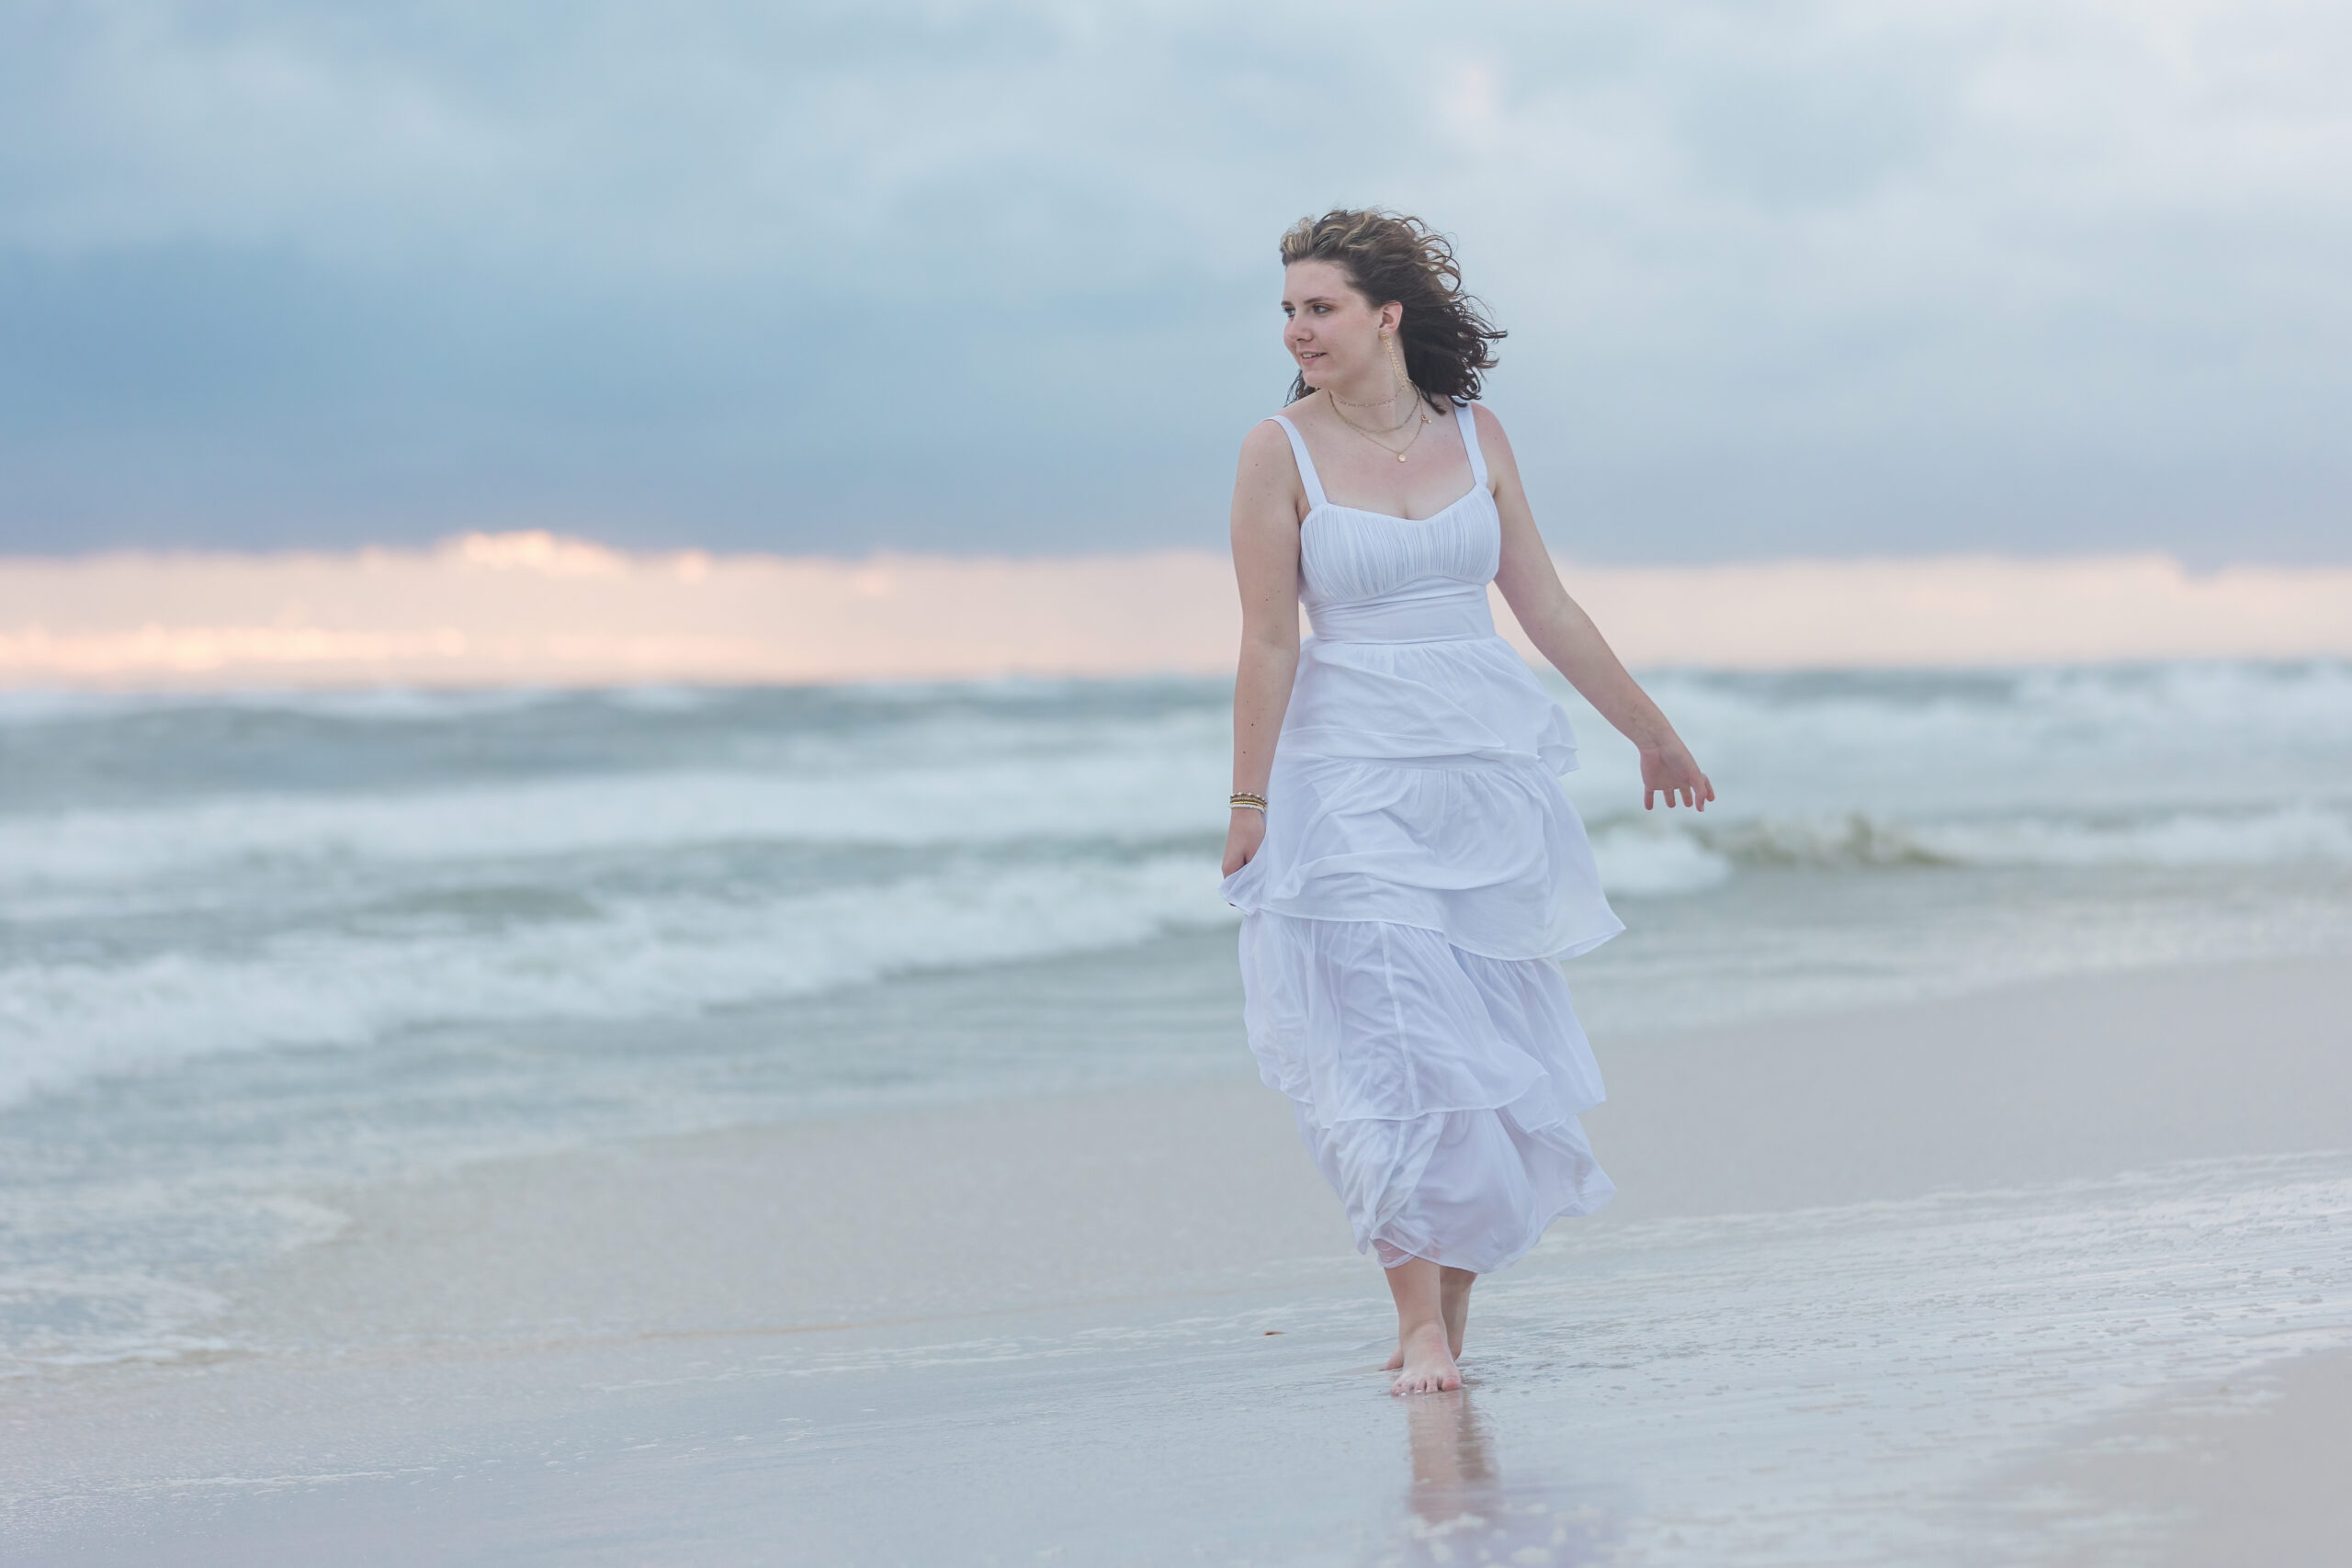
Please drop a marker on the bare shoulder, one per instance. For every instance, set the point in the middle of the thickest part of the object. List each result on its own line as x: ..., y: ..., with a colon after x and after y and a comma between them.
x: 1493, y: 443
x: 1265, y: 452
x: 1265, y: 440
x: 1268, y: 475
x: 1490, y: 429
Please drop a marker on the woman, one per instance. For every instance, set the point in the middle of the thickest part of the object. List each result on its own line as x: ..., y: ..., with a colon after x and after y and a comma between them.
x: 1407, y: 867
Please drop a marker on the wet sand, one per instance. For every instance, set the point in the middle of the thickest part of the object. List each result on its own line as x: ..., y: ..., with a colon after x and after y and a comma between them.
x: 2227, y: 1473
x: 1894, y: 1286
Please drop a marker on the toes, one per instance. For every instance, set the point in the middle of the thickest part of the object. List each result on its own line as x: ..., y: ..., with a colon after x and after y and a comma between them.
x: 1430, y: 1376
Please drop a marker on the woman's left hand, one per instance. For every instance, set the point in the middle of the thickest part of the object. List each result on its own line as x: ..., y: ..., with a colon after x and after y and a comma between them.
x: 1243, y: 836
x: 1668, y: 769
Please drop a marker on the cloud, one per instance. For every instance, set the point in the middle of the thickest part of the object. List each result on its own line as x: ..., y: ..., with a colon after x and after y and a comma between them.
x: 1798, y: 276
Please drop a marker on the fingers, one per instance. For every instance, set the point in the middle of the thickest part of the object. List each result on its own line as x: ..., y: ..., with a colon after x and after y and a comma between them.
x: 1237, y: 855
x: 1694, y: 792
x: 1690, y: 788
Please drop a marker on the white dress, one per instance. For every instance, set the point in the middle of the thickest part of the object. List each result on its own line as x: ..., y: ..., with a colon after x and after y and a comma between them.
x: 1422, y: 871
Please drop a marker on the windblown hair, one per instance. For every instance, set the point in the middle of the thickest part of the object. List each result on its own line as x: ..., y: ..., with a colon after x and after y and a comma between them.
x: 1445, y: 334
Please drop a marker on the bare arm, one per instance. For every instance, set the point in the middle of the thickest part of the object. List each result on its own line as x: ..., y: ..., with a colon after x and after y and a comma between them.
x: 1267, y: 499
x: 1564, y: 634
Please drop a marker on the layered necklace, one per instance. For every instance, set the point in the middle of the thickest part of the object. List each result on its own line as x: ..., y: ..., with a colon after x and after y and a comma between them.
x: 1420, y: 407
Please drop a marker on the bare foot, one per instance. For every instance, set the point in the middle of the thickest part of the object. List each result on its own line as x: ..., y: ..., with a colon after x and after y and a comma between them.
x: 1428, y: 1365
x: 1397, y: 1358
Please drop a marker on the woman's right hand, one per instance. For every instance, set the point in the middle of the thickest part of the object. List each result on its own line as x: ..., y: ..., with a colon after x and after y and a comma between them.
x: 1242, y: 837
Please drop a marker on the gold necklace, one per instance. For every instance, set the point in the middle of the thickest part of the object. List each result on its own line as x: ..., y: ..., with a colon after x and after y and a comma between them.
x: 1391, y: 429
x: 1397, y: 452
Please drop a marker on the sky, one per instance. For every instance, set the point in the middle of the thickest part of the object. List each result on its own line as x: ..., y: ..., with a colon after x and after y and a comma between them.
x: 1781, y: 280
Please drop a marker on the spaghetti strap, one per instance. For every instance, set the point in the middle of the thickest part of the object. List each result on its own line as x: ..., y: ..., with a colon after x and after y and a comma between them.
x: 1469, y: 422
x: 1315, y: 499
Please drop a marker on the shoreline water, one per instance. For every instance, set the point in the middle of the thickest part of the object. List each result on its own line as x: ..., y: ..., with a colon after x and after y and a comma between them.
x: 1809, y: 1218
x: 251, y: 948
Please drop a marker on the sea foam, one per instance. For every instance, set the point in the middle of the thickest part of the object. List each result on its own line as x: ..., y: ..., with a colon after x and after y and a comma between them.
x: 627, y: 958
x: 186, y: 876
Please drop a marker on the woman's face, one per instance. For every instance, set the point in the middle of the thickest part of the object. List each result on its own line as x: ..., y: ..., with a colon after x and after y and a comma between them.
x: 1330, y: 329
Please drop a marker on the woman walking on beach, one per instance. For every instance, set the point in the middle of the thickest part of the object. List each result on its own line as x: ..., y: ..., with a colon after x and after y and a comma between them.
x: 1407, y: 867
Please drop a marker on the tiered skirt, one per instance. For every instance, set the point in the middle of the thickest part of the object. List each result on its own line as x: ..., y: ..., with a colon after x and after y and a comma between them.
x: 1401, y: 932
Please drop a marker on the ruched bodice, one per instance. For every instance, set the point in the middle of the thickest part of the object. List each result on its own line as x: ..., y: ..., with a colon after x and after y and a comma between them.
x: 1421, y: 869
x: 1368, y: 576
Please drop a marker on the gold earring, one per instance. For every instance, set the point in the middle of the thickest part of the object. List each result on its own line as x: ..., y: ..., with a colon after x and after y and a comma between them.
x: 1397, y: 360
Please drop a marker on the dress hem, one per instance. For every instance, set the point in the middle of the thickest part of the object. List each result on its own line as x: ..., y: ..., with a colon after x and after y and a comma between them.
x: 1573, y: 1211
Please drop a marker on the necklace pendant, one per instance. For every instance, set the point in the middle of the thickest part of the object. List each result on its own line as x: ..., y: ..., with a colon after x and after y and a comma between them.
x: 1400, y: 457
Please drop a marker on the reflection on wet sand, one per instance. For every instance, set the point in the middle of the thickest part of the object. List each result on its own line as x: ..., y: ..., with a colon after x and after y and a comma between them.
x: 1462, y: 1510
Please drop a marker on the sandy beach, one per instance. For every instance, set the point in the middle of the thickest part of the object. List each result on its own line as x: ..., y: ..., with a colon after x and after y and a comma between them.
x: 633, y: 640
x: 2051, y: 1273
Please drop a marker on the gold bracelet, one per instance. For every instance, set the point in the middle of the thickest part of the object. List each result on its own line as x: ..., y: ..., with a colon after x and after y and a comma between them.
x: 1244, y: 799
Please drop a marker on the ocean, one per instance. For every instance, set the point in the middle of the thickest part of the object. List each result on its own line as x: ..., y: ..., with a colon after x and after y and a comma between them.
x: 252, y: 944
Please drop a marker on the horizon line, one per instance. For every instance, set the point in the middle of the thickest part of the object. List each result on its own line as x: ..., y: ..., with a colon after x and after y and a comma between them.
x: 531, y: 607
x: 560, y: 551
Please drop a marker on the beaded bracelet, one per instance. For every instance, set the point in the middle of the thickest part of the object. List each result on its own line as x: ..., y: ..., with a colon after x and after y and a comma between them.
x: 1242, y: 798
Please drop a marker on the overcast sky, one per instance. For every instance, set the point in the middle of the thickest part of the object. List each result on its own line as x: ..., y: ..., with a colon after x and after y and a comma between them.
x: 1833, y: 278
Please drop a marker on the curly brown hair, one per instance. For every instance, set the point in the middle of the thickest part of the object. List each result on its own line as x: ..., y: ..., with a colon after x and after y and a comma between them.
x: 1386, y: 255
